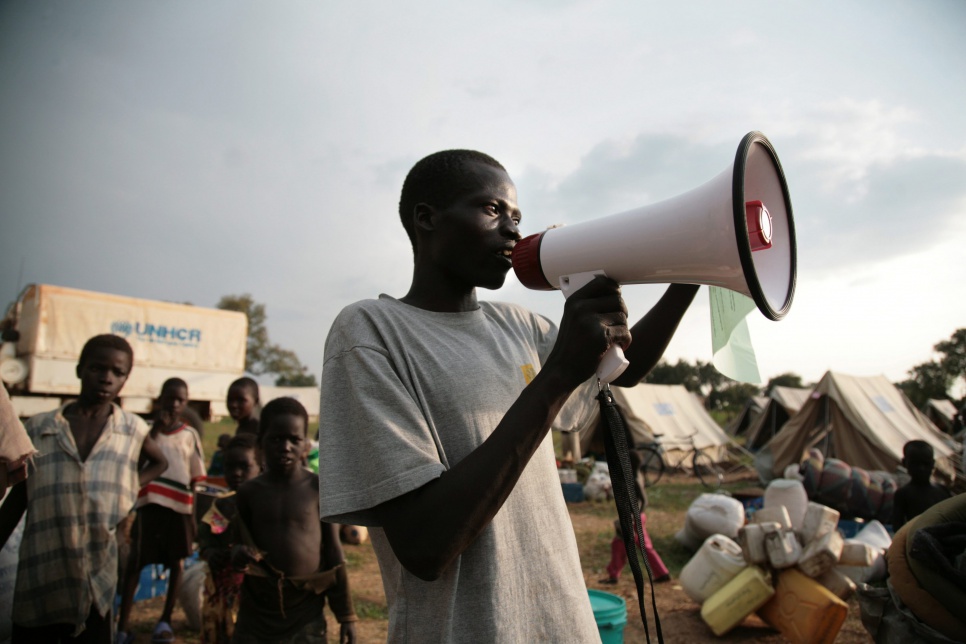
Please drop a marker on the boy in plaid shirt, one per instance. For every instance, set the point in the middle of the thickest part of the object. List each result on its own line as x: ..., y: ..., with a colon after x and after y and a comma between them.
x: 85, y: 481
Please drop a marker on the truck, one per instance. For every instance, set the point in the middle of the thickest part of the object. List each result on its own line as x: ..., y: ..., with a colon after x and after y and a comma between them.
x: 45, y: 329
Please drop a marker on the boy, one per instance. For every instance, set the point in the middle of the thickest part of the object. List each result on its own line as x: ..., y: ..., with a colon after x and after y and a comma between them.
x: 292, y: 560
x: 436, y: 412
x: 919, y: 494
x: 85, y: 481
x: 242, y: 403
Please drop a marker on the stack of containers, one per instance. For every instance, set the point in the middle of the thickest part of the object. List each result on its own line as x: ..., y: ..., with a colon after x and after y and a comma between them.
x: 785, y: 565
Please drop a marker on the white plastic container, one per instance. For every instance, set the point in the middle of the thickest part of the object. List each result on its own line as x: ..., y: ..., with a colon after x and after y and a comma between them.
x: 821, y: 555
x: 837, y: 583
x: 782, y: 548
x: 715, y: 563
x: 818, y: 521
x: 792, y: 495
x: 567, y: 475
x: 711, y: 514
x: 775, y: 514
x: 751, y: 538
x: 856, y: 553
x: 874, y: 534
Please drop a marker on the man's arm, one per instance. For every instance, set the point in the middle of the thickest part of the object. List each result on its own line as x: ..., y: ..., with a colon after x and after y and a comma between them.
x: 156, y: 462
x: 653, y: 333
x: 430, y: 526
x: 14, y: 505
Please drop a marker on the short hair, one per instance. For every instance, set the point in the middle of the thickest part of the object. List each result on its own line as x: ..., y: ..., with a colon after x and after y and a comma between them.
x: 438, y: 180
x: 246, y: 383
x: 917, y: 448
x: 284, y: 406
x: 105, y: 341
x: 173, y: 382
x: 242, y: 441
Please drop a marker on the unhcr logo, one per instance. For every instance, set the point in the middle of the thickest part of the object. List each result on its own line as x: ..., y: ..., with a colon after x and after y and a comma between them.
x: 157, y: 333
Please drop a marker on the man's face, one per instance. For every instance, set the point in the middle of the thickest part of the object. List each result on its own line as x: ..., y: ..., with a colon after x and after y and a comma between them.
x: 103, y: 374
x: 474, y: 236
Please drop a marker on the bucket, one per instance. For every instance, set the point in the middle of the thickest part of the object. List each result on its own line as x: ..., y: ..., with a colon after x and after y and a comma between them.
x: 714, y: 565
x: 610, y: 612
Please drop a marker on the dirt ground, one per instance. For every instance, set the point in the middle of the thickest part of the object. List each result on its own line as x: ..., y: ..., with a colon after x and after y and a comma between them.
x: 593, y: 526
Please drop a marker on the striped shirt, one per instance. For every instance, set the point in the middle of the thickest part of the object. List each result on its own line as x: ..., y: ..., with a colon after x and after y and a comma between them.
x: 68, y: 556
x: 186, y: 466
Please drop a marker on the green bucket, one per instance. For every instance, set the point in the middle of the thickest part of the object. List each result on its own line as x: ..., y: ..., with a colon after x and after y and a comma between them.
x: 610, y: 612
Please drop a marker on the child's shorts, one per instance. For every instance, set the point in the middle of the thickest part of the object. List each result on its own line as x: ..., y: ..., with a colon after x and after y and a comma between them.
x: 161, y: 535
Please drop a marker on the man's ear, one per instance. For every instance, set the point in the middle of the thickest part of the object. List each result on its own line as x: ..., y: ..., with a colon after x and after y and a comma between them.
x: 423, y: 217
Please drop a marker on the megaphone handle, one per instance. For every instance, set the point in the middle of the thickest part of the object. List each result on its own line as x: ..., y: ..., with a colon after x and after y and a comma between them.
x: 613, y: 364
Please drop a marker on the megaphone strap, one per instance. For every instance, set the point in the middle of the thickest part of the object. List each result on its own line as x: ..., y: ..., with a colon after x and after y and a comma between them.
x: 625, y: 498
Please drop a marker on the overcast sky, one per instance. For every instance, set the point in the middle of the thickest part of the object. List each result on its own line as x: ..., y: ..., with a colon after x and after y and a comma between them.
x: 187, y: 150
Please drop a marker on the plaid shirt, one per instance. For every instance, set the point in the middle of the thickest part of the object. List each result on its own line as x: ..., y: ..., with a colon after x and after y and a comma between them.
x: 68, y: 556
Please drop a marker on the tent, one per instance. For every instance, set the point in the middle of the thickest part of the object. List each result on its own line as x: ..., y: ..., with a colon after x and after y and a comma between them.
x: 864, y: 421
x: 669, y: 410
x: 752, y: 409
x: 941, y: 413
x: 783, y: 403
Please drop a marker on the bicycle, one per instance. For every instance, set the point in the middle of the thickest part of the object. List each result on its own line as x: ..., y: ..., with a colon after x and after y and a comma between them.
x: 653, y: 465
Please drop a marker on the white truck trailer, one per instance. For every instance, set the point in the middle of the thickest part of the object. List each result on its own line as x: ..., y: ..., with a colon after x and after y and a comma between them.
x: 44, y: 330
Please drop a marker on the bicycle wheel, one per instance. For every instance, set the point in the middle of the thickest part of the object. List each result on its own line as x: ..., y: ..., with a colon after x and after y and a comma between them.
x: 652, y: 466
x: 706, y: 471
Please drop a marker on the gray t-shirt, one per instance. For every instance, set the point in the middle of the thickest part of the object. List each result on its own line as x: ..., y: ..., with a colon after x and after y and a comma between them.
x: 408, y: 393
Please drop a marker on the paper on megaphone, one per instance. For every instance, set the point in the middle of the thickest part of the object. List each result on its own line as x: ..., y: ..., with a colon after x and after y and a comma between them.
x: 730, y: 340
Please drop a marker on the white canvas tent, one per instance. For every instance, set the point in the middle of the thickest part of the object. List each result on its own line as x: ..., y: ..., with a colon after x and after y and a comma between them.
x: 941, y: 413
x: 783, y: 403
x: 864, y: 421
x: 669, y: 410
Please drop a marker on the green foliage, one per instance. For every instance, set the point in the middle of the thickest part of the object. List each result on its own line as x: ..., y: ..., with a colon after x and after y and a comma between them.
x: 366, y: 609
x: 934, y: 379
x: 788, y: 379
x: 722, y: 394
x: 262, y: 356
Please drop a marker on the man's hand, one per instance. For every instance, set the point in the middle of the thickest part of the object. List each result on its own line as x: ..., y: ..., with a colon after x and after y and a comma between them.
x: 594, y: 318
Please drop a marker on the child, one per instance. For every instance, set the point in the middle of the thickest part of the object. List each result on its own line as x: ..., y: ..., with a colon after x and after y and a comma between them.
x: 919, y: 494
x: 223, y: 583
x: 242, y: 402
x: 217, y: 466
x: 292, y: 560
x: 164, y: 528
x: 618, y: 556
x: 84, y: 482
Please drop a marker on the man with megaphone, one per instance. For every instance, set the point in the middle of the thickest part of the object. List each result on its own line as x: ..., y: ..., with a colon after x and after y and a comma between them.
x: 436, y: 414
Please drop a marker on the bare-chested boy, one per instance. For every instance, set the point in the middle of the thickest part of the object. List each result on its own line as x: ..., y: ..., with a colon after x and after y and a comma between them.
x: 292, y: 560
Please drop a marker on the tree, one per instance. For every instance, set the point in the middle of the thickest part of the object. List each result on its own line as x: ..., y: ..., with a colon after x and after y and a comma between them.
x: 934, y: 379
x: 720, y: 392
x: 928, y: 380
x: 788, y: 379
x: 261, y: 356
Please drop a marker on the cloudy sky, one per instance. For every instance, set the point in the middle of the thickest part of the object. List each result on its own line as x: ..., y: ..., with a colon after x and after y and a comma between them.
x: 187, y: 150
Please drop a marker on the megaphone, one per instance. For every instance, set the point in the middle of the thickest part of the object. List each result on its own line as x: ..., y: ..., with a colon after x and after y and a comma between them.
x: 735, y: 232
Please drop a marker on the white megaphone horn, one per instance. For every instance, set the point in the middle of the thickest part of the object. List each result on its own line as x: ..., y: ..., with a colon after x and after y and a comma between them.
x: 735, y: 231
